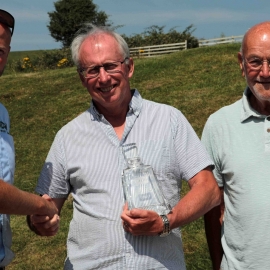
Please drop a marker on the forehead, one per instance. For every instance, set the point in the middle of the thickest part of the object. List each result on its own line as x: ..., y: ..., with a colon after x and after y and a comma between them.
x: 99, y: 48
x: 257, y: 42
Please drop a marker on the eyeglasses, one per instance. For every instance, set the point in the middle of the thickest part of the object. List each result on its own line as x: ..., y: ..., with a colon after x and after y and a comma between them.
x: 7, y: 19
x: 93, y: 71
x: 256, y: 63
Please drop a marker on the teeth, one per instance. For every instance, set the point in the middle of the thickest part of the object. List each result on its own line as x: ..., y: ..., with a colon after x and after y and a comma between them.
x: 108, y: 89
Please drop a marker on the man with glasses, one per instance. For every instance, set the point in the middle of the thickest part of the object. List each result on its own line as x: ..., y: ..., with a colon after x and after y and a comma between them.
x: 238, y: 139
x: 12, y: 200
x: 86, y: 160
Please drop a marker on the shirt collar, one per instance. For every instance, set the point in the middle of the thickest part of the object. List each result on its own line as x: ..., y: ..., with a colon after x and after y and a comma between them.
x: 135, y: 106
x: 247, y: 111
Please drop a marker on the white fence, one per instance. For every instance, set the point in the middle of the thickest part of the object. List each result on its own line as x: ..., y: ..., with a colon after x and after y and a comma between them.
x: 221, y: 40
x: 147, y: 51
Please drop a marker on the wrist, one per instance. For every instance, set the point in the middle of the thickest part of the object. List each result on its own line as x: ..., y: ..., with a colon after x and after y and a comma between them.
x: 30, y: 224
x: 166, y: 226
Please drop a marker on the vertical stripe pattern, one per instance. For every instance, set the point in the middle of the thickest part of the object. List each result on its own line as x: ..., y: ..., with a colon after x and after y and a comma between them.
x: 86, y: 160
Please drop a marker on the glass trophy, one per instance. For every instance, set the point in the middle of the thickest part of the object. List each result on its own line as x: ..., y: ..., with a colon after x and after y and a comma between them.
x: 140, y: 184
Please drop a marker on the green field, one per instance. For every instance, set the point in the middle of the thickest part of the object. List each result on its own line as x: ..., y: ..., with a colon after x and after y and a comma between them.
x: 197, y: 82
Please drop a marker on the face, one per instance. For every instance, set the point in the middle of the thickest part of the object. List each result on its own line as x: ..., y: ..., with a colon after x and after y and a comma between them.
x: 5, y: 38
x: 256, y: 46
x: 109, y: 91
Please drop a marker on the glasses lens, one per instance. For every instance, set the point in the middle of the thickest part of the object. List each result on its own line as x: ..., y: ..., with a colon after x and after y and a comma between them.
x: 7, y: 19
x: 91, y: 72
x: 256, y: 63
x: 109, y: 67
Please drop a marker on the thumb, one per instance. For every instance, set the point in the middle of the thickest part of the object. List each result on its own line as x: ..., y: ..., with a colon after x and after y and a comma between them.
x: 47, y: 197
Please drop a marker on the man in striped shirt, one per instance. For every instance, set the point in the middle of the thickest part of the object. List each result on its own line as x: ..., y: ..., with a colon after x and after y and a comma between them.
x: 86, y: 160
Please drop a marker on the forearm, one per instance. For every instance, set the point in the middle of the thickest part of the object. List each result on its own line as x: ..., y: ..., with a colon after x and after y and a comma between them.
x: 213, y: 236
x: 18, y: 202
x: 203, y: 196
x: 213, y: 222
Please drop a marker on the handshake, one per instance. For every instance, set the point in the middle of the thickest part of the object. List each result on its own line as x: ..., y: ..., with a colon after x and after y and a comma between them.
x: 46, y: 222
x: 43, y: 215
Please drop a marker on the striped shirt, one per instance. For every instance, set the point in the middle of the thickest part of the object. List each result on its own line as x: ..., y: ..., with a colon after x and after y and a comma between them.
x: 86, y: 160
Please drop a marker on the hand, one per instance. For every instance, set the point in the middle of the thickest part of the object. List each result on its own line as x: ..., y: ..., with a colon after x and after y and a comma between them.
x: 44, y: 225
x: 141, y: 222
x: 51, y: 208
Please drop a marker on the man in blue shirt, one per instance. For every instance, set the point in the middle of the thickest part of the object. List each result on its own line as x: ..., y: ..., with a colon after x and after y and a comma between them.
x: 12, y: 200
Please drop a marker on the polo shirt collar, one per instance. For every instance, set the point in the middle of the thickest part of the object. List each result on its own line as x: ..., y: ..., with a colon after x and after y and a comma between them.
x: 247, y: 111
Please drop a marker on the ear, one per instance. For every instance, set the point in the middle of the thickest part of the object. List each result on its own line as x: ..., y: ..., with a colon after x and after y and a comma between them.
x: 130, y: 67
x: 241, y: 64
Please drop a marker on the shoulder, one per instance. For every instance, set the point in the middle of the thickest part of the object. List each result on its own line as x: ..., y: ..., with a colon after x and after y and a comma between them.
x: 4, y: 119
x: 77, y: 121
x: 160, y: 108
x: 3, y: 110
x: 222, y: 121
x: 227, y: 113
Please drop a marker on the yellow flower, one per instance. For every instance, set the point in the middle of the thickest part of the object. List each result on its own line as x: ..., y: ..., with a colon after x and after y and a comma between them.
x: 62, y: 62
x: 26, y: 59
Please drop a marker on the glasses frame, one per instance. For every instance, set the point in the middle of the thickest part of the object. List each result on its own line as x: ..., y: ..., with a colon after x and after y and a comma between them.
x: 245, y: 60
x: 7, y: 19
x: 82, y: 70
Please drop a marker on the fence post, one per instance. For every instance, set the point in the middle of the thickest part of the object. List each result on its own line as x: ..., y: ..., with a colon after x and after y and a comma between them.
x: 185, y: 44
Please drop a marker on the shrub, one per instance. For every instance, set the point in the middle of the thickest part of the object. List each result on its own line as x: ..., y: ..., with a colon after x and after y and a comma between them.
x: 53, y: 59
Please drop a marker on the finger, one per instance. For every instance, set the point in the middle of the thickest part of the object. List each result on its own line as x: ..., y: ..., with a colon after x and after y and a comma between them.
x: 125, y: 207
x: 48, y: 228
x: 141, y: 213
x: 35, y: 219
x: 47, y: 197
x: 125, y: 226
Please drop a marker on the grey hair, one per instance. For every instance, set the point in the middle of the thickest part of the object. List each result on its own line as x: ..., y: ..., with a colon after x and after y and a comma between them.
x: 90, y: 29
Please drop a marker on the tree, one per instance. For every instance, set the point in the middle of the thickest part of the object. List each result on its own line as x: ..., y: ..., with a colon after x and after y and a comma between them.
x: 70, y: 15
x: 155, y: 35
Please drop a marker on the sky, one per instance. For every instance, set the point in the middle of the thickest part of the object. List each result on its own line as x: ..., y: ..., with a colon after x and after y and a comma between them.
x: 210, y: 18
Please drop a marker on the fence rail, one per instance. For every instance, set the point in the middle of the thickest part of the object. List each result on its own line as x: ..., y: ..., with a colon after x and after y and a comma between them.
x: 148, y: 51
x: 155, y: 50
x: 221, y: 40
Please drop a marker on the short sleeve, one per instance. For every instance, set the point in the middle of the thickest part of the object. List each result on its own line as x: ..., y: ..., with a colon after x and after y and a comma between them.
x: 53, y: 179
x: 209, y: 137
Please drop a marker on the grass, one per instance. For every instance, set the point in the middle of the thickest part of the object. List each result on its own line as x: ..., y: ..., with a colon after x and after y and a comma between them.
x: 197, y: 82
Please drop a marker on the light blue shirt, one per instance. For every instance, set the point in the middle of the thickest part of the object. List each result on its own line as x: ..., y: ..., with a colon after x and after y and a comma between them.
x: 238, y: 140
x: 86, y: 160
x: 7, y: 168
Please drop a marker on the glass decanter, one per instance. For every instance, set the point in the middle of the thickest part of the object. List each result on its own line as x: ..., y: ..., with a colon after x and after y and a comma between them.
x: 140, y: 184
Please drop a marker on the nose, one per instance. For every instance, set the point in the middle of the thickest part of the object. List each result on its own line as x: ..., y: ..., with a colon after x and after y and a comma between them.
x: 265, y: 69
x: 103, y: 75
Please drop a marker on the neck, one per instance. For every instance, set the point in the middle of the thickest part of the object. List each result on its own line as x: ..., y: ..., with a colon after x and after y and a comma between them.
x: 261, y: 106
x: 116, y: 116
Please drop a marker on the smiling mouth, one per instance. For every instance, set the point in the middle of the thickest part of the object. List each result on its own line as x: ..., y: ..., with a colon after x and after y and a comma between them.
x: 262, y: 82
x: 106, y: 89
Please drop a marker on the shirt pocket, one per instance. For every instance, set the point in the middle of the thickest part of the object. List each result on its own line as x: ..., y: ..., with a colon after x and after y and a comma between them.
x: 7, y: 157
